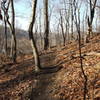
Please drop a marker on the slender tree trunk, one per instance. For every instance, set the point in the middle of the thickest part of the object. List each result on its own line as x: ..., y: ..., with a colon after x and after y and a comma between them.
x: 46, y: 33
x: 77, y: 22
x: 83, y: 29
x: 14, y: 42
x: 89, y: 31
x: 0, y: 14
x: 31, y: 37
x: 5, y: 34
x: 62, y: 28
x: 90, y: 19
x: 81, y: 60
x: 40, y: 29
x: 72, y: 18
x: 68, y: 36
x: 66, y: 31
x: 12, y: 27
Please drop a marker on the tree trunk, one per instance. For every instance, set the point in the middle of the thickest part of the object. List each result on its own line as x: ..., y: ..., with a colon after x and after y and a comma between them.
x: 90, y: 20
x: 72, y: 18
x: 14, y: 43
x: 46, y: 33
x: 62, y: 28
x: 31, y: 37
x: 40, y: 26
x: 89, y: 33
x: 5, y: 21
x: 0, y: 14
x: 77, y: 22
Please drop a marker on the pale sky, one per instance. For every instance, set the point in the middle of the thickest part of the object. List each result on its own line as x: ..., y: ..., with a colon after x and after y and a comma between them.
x: 23, y: 12
x: 23, y: 8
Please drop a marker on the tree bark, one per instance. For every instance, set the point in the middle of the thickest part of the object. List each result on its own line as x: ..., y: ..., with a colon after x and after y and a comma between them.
x: 14, y: 42
x: 62, y: 28
x: 46, y: 33
x: 77, y: 22
x: 31, y: 37
x: 90, y: 19
x: 5, y: 21
x: 72, y: 18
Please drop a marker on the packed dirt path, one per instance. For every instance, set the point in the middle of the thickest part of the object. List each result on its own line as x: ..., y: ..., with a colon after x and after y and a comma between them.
x: 19, y: 81
x: 44, y: 89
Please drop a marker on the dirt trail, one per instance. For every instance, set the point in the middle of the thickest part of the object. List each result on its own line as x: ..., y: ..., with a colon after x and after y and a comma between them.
x: 45, y: 81
x: 43, y: 88
x: 13, y: 77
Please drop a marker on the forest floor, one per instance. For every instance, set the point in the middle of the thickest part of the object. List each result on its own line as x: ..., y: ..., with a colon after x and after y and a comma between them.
x: 20, y: 82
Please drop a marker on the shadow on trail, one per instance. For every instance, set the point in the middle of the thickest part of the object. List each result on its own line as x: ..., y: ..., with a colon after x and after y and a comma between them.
x: 45, y: 80
x: 44, y: 77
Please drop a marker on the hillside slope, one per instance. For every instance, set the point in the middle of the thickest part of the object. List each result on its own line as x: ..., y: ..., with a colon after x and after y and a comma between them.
x: 19, y: 82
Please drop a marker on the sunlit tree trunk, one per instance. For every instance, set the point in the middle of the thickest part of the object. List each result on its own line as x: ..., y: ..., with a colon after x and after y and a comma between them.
x: 14, y: 43
x: 31, y: 37
x: 40, y: 28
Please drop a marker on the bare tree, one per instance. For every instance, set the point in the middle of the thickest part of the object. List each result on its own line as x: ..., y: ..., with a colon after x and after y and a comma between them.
x: 90, y: 18
x: 5, y: 22
x: 31, y: 37
x: 12, y: 26
x: 46, y: 33
x: 40, y: 28
x: 67, y: 17
x: 14, y: 42
x: 62, y: 29
x: 77, y: 23
x: 72, y: 19
x: 6, y: 44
